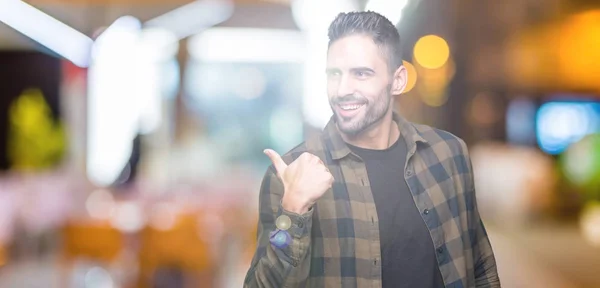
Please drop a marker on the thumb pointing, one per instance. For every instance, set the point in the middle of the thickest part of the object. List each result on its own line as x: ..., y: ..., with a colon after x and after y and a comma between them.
x: 276, y: 160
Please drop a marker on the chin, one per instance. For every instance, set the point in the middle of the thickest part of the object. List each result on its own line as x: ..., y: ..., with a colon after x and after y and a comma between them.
x: 351, y: 127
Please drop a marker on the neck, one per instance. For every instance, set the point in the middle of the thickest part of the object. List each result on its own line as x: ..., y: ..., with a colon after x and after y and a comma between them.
x: 380, y: 135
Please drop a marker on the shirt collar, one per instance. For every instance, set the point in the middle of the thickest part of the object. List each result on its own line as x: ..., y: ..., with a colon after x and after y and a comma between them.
x: 338, y: 148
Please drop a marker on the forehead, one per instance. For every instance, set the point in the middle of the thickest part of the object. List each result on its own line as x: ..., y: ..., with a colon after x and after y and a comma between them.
x: 355, y: 51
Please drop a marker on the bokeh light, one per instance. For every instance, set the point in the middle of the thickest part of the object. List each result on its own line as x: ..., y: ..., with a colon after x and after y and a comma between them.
x: 432, y: 51
x: 578, y: 53
x: 590, y: 223
x: 581, y: 162
x: 100, y: 204
x: 560, y: 124
x: 128, y: 217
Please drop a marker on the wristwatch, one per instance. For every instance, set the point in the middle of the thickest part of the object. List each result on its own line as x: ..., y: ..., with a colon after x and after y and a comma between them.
x: 281, y: 238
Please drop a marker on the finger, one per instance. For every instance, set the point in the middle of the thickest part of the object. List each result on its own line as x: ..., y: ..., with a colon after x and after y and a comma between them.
x: 276, y: 160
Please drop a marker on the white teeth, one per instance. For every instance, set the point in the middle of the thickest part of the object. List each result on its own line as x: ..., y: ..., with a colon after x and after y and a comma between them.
x: 350, y: 107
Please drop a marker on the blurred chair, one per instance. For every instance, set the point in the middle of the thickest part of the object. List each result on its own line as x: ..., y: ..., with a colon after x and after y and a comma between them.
x: 3, y: 255
x: 95, y: 241
x: 178, y: 248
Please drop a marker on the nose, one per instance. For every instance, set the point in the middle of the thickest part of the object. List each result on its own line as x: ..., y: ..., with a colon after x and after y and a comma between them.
x: 345, y: 86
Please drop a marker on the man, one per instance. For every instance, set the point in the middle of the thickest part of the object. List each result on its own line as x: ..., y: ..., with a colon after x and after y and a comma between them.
x: 374, y: 201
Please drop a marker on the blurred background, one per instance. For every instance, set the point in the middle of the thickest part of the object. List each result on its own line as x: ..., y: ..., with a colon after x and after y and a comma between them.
x: 131, y: 131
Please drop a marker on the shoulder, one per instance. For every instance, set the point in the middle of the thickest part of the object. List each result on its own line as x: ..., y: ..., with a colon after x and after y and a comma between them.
x: 449, y: 150
x: 442, y: 141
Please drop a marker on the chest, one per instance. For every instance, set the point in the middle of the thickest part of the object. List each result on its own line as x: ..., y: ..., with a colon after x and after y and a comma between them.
x: 346, y: 221
x: 434, y: 183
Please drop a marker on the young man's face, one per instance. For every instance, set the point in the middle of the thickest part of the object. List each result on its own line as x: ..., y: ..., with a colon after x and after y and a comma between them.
x: 359, y: 83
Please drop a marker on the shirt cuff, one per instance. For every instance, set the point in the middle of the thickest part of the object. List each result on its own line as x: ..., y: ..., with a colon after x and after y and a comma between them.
x: 301, y: 224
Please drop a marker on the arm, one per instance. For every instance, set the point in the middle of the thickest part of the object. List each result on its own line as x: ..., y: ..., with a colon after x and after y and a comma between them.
x: 271, y: 266
x: 484, y: 262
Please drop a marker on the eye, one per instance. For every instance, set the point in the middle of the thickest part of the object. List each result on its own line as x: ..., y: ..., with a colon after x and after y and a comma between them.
x: 360, y: 74
x: 333, y: 74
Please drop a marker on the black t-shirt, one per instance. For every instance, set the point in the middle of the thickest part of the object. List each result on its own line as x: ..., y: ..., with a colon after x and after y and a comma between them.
x: 407, y: 251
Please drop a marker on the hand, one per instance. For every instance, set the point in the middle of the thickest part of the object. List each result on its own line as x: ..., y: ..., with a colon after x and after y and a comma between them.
x: 304, y: 181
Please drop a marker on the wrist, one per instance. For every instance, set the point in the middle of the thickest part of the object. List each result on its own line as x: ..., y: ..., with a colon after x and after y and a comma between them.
x: 294, y: 204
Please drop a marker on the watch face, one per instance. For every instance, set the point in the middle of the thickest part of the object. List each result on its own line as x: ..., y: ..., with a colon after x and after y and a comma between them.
x: 283, y: 222
x: 280, y: 239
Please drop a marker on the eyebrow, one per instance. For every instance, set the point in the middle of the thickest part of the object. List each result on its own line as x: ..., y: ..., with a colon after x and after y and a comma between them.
x: 355, y: 69
x: 362, y: 69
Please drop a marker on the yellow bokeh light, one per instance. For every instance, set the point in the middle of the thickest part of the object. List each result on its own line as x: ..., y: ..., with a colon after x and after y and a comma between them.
x: 412, y: 76
x: 431, y: 51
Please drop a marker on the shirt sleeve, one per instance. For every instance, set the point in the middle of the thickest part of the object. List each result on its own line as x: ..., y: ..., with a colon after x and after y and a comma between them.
x: 484, y: 262
x: 273, y: 266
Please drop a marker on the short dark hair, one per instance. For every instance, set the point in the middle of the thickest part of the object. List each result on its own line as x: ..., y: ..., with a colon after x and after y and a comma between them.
x: 372, y: 24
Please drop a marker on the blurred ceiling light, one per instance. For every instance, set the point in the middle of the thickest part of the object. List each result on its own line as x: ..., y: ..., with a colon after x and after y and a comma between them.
x: 112, y: 101
x: 123, y: 24
x: 125, y: 86
x: 316, y: 15
x: 412, y: 76
x: 249, y: 45
x: 194, y: 17
x: 158, y: 44
x: 391, y: 9
x: 431, y: 51
x: 46, y: 30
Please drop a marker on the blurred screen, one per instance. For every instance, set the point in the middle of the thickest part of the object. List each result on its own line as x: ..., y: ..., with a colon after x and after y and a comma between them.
x: 562, y: 123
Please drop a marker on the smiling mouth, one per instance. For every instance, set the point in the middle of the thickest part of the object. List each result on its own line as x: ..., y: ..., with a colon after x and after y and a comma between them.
x: 351, y: 107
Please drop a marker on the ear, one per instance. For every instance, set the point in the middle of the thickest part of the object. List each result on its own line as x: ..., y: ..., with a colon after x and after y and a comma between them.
x: 399, y: 80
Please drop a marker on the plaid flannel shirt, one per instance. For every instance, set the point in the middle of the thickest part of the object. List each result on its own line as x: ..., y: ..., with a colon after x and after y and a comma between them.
x: 336, y: 243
